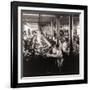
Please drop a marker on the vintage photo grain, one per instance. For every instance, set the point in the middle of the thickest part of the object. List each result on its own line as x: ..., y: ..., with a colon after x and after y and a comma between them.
x: 50, y: 43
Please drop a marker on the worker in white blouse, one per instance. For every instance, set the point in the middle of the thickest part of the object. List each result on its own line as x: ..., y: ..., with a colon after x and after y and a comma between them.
x: 57, y: 54
x: 65, y: 46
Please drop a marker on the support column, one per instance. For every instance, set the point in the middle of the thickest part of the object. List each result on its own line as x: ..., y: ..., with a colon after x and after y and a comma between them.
x: 71, y: 48
x: 57, y: 28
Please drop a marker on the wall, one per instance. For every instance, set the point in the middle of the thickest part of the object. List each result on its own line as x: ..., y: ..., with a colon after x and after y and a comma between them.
x: 5, y: 45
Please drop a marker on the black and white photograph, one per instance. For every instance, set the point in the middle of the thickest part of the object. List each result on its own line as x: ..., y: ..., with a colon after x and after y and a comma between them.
x: 50, y: 43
